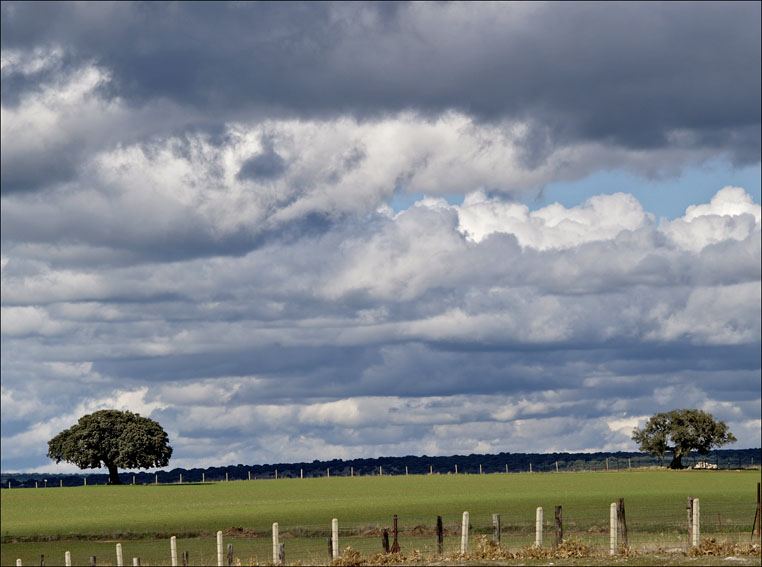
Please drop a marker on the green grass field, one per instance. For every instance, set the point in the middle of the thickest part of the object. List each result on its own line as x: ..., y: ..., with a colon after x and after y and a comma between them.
x: 144, y: 517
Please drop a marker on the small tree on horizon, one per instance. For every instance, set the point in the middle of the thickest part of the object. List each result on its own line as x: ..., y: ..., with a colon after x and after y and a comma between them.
x: 681, y: 431
x: 113, y: 439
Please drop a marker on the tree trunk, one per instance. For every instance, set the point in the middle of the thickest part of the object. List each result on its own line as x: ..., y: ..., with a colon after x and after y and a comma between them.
x: 113, y: 475
x: 677, y: 462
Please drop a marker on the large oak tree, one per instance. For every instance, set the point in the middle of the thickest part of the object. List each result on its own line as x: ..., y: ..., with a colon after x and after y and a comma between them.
x: 112, y: 438
x: 682, y: 431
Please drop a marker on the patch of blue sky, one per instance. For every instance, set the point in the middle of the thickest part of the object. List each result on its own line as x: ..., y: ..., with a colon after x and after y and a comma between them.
x: 664, y: 197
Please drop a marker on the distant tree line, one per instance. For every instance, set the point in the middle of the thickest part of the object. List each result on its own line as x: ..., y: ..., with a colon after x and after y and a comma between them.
x: 392, y: 466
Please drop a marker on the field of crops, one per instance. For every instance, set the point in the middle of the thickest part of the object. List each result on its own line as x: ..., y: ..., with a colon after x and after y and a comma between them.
x: 89, y: 520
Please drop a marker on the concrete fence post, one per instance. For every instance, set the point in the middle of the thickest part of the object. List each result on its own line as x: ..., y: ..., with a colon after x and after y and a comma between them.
x: 696, y: 535
x: 19, y: 563
x: 219, y: 549
x: 67, y: 559
x: 612, y: 529
x: 276, y: 544
x: 119, y: 558
x: 335, y: 538
x: 173, y: 550
x: 464, y: 534
x: 538, y: 528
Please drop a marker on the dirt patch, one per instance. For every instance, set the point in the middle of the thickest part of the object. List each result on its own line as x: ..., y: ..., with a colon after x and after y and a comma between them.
x: 372, y: 532
x: 421, y: 530
x: 417, y: 531
x: 597, y: 530
x: 239, y: 532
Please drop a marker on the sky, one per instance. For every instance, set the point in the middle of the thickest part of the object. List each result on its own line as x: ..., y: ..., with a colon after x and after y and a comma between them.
x: 293, y: 231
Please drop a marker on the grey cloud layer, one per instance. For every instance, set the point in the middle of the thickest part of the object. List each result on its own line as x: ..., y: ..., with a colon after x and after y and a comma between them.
x: 491, y: 59
x: 670, y: 75
x: 597, y: 314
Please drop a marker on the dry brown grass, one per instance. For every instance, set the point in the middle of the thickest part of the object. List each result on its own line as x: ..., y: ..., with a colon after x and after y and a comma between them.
x: 486, y: 550
x: 710, y: 546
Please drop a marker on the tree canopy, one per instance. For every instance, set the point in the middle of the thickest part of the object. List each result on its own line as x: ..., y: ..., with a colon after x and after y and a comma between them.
x: 682, y: 431
x: 112, y: 438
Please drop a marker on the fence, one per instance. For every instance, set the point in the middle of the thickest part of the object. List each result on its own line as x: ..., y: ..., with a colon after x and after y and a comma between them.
x: 614, y: 529
x: 491, y: 466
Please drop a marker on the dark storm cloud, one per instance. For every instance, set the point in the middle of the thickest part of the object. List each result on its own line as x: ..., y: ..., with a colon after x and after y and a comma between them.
x: 263, y: 166
x: 623, y: 73
x: 25, y: 173
x: 277, y: 363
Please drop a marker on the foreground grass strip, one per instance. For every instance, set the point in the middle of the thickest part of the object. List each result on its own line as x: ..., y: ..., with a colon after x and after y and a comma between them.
x: 131, y: 512
x: 144, y: 517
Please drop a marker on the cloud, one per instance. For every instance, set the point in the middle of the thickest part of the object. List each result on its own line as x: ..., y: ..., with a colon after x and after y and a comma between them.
x: 289, y: 179
x: 731, y: 214
x: 29, y: 320
x: 196, y: 222
x: 600, y: 218
x: 674, y: 78
x: 52, y: 122
x: 716, y: 315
